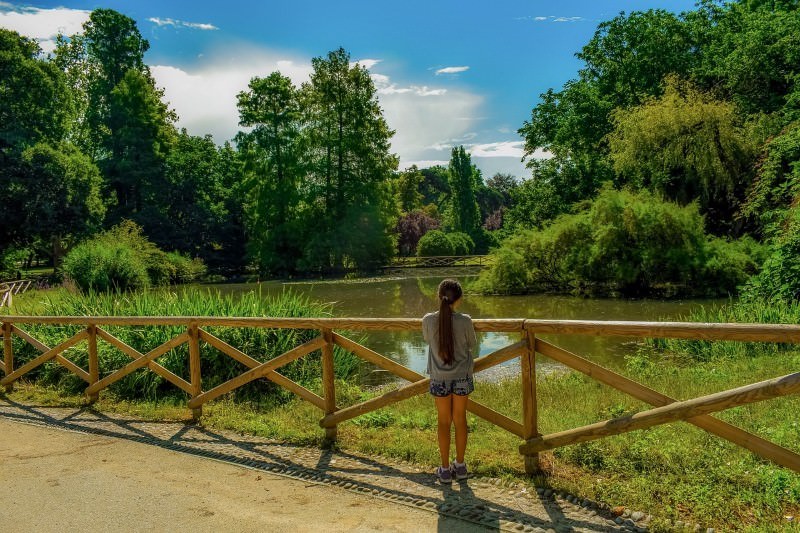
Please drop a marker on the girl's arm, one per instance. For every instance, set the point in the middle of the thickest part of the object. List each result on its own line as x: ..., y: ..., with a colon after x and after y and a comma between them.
x: 472, y: 339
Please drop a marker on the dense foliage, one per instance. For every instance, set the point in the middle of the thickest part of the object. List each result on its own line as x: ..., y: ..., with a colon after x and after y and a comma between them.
x: 122, y: 259
x: 625, y: 242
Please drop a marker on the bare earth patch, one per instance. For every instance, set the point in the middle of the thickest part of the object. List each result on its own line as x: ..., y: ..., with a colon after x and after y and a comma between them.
x: 79, y: 469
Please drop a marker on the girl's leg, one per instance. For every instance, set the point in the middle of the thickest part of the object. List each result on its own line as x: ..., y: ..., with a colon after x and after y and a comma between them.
x: 444, y: 410
x: 460, y: 421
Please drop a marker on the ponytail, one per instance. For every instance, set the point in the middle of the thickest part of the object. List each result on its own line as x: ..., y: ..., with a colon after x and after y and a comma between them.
x: 449, y: 293
x: 445, y: 331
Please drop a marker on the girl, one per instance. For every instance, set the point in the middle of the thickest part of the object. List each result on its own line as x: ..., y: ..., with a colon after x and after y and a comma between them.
x: 451, y: 340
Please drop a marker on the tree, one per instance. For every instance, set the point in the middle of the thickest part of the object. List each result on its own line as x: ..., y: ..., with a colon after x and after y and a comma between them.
x: 751, y: 49
x: 272, y: 156
x: 411, y: 227
x: 35, y: 107
x: 142, y: 133
x: 504, y: 185
x: 686, y: 145
x: 36, y: 104
x: 463, y: 214
x: 408, y: 184
x: 60, y: 192
x: 113, y: 46
x: 349, y: 166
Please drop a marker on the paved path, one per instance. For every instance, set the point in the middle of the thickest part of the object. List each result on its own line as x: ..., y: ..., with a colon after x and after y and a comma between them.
x: 109, y: 472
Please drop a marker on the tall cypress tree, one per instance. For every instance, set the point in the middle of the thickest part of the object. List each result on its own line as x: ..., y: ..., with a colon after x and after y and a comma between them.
x: 463, y: 212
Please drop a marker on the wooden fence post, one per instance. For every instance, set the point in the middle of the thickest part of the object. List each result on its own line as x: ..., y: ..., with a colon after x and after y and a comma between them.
x: 8, y: 353
x: 94, y: 364
x: 328, y: 382
x: 529, y: 414
x: 194, y: 368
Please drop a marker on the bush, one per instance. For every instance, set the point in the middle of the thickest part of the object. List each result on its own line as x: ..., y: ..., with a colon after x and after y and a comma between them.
x: 435, y: 242
x: 104, y: 266
x: 462, y: 243
x: 123, y: 259
x: 779, y: 278
x: 627, y: 242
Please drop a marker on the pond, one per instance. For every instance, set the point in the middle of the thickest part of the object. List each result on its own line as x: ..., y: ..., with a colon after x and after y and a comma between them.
x: 413, y: 297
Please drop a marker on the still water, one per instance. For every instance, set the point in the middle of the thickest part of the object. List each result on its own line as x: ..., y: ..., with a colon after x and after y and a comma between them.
x: 413, y: 297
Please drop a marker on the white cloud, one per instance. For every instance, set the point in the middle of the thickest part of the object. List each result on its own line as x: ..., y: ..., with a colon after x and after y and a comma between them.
x: 422, y: 121
x: 205, y: 97
x: 498, y: 149
x: 425, y: 163
x: 366, y: 63
x: 384, y: 85
x: 182, y: 24
x: 42, y: 24
x: 451, y: 70
x: 552, y: 18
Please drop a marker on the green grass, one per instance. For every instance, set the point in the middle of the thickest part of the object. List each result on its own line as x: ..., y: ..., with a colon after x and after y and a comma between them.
x: 260, y: 343
x: 675, y: 472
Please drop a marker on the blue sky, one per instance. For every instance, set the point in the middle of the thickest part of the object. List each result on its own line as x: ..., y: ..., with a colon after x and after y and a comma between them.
x: 447, y: 72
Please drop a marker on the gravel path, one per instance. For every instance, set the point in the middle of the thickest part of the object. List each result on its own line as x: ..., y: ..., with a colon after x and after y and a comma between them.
x: 128, y: 467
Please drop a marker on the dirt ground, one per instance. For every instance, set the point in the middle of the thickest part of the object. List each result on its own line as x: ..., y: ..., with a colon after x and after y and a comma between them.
x: 54, y: 480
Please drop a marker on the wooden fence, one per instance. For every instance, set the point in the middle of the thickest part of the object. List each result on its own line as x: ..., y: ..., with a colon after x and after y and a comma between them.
x: 695, y: 411
x: 440, y: 261
x: 10, y: 288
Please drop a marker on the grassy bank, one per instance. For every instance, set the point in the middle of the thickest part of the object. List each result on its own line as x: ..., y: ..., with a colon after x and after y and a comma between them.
x: 675, y: 472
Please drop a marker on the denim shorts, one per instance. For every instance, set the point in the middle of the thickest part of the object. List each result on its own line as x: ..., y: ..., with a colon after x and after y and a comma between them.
x: 442, y: 388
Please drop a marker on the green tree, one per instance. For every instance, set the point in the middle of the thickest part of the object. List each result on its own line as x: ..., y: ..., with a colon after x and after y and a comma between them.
x: 751, y: 49
x: 113, y: 46
x: 463, y: 214
x: 273, y: 165
x: 349, y: 166
x: 142, y: 133
x: 686, y: 145
x: 36, y: 104
x: 60, y: 192
x: 407, y: 185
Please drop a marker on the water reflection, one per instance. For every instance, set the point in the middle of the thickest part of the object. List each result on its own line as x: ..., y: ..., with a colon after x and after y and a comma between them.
x: 413, y: 297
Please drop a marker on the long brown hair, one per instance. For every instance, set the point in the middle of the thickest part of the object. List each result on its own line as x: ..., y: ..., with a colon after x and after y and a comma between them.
x: 449, y: 293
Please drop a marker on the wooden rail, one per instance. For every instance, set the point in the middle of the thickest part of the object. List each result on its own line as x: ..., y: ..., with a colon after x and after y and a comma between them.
x: 439, y: 261
x: 694, y: 411
x: 10, y: 288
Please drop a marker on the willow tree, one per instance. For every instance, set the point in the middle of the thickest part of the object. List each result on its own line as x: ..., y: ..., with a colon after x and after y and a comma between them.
x: 347, y: 145
x: 686, y: 145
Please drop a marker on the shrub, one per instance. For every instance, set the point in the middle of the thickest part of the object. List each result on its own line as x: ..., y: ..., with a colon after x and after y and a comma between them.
x: 104, y: 266
x: 462, y: 243
x: 622, y: 241
x: 123, y: 259
x: 435, y: 242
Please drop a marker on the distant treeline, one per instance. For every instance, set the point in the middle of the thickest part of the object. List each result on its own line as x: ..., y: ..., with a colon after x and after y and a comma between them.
x: 700, y: 108
x: 87, y: 142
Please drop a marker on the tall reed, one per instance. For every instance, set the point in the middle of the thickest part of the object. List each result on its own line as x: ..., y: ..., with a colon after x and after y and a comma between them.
x: 261, y: 344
